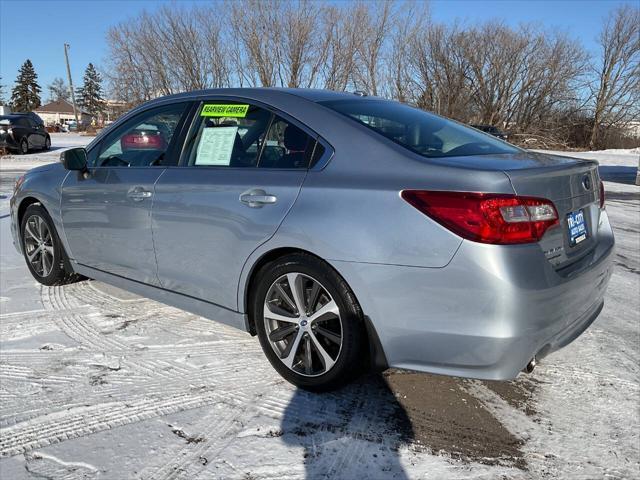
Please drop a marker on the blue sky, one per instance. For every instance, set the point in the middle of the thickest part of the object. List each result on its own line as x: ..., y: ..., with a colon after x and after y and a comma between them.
x: 38, y: 29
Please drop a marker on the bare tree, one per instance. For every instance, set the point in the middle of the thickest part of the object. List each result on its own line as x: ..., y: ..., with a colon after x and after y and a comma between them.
x: 374, y: 20
x: 58, y: 90
x: 529, y: 80
x: 257, y: 24
x: 341, y: 37
x: 616, y: 89
x: 440, y: 71
x: 407, y: 27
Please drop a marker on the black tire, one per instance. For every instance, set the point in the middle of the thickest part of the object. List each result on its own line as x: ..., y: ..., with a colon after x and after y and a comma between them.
x: 24, y: 147
x: 351, y: 356
x: 47, y: 143
x: 61, y: 272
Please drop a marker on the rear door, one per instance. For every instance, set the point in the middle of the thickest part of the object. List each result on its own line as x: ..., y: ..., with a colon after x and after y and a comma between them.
x: 107, y: 214
x: 242, y: 169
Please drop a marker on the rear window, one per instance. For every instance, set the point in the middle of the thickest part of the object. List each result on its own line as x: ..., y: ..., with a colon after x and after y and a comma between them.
x: 421, y: 132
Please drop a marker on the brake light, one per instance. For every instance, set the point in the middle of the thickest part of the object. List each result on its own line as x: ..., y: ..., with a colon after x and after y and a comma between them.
x: 141, y: 141
x: 487, y: 217
x: 602, y: 196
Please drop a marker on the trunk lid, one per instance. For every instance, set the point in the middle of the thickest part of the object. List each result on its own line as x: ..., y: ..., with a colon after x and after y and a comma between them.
x: 563, y: 180
x: 573, y: 186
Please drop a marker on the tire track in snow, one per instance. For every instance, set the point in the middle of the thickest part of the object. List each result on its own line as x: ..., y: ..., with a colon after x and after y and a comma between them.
x: 79, y: 421
x: 77, y: 328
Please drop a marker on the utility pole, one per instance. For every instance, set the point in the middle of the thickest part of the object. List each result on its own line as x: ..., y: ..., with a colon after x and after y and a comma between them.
x: 73, y: 95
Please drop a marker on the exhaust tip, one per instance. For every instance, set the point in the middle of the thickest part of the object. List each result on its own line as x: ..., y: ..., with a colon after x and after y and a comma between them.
x: 531, y: 365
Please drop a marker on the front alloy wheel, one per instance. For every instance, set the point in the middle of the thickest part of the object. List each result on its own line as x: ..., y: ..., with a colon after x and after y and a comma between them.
x: 38, y: 244
x: 43, y: 251
x: 303, y: 324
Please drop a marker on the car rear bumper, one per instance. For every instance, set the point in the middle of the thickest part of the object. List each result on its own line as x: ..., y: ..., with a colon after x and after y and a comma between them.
x: 8, y: 144
x: 486, y: 313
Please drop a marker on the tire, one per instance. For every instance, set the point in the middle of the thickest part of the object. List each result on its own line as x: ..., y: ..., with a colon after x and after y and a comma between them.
x: 47, y: 143
x: 305, y: 366
x: 24, y: 147
x: 55, y: 269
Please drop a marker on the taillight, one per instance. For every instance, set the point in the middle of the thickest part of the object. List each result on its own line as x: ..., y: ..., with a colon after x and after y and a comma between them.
x: 142, y: 141
x: 602, y: 196
x: 487, y: 217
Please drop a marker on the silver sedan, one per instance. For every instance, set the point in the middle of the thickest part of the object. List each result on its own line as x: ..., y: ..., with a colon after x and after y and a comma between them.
x: 347, y: 232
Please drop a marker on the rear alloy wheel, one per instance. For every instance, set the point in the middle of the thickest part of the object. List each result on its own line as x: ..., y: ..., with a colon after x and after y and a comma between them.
x: 24, y: 146
x: 303, y: 324
x: 309, y: 323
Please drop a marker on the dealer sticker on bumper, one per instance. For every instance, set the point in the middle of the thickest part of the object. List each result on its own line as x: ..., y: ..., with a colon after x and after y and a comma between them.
x: 577, y: 227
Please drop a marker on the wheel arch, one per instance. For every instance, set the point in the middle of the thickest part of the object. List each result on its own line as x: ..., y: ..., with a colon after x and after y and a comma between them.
x: 265, y: 258
x: 377, y: 359
x: 24, y: 204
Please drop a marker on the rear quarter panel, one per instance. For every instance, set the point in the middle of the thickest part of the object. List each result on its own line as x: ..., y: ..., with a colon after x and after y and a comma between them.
x: 351, y: 211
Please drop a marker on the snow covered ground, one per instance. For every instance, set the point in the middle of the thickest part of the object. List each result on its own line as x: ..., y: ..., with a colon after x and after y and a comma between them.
x: 97, y: 383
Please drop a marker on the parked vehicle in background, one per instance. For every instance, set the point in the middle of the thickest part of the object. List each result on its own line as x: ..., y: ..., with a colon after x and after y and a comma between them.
x: 20, y: 133
x: 345, y: 231
x: 491, y: 130
x: 33, y: 116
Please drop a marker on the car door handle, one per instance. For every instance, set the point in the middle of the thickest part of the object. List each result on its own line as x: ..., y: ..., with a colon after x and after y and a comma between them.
x: 257, y: 198
x: 137, y: 194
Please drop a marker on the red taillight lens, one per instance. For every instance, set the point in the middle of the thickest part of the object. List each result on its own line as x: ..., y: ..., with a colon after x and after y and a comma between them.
x: 602, y: 196
x: 487, y: 217
x: 141, y: 141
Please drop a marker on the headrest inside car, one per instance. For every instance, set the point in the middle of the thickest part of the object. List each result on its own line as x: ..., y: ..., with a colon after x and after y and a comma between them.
x: 294, y: 138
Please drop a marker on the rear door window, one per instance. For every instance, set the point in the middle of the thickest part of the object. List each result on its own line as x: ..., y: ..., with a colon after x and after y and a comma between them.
x: 228, y: 135
x: 286, y: 146
x: 237, y: 135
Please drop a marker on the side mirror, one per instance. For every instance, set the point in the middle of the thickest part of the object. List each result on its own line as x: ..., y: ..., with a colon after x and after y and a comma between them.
x: 74, y: 159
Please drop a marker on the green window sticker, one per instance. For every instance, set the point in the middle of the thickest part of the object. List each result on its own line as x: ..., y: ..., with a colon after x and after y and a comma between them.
x: 217, y: 110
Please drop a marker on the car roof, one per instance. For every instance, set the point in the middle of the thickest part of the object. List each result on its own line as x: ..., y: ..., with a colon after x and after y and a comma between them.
x: 265, y: 94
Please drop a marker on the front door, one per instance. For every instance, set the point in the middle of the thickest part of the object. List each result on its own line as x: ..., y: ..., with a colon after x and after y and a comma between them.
x: 106, y: 215
x: 242, y: 171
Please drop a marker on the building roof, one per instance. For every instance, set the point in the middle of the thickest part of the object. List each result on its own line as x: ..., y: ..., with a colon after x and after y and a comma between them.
x: 59, y: 106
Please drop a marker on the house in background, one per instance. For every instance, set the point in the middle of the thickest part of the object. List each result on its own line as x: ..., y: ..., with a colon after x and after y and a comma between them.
x: 60, y: 112
x: 112, y: 110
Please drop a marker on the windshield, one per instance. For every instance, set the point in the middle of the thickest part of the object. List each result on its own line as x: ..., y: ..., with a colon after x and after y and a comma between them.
x: 421, y: 132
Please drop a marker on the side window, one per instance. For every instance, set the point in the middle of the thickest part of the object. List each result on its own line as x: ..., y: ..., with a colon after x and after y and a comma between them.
x: 23, y: 122
x: 286, y: 146
x: 241, y: 135
x: 228, y: 135
x: 143, y: 140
